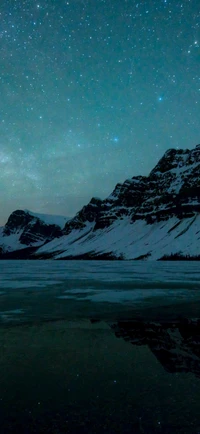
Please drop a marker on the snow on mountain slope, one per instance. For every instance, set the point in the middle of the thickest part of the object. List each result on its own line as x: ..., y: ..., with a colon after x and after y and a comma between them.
x: 50, y: 219
x: 12, y: 242
x: 76, y: 237
x: 131, y: 241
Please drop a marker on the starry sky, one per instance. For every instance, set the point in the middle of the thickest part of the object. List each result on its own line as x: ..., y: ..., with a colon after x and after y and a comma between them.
x: 92, y: 92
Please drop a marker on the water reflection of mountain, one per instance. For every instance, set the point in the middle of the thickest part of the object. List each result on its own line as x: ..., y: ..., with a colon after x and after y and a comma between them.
x: 175, y: 345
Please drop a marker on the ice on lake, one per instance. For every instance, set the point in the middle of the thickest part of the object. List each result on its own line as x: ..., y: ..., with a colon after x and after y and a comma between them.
x: 65, y: 289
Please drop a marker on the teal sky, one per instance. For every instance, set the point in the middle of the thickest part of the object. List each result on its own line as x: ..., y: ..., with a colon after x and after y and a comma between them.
x: 92, y: 93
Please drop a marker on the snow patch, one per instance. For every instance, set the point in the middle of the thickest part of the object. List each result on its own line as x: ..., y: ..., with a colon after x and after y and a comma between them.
x: 50, y: 219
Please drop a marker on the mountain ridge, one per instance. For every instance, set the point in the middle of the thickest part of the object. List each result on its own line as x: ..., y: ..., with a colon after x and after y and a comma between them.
x: 145, y: 217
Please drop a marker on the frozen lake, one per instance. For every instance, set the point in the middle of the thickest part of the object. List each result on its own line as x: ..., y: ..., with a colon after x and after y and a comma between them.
x: 96, y: 347
x: 37, y: 290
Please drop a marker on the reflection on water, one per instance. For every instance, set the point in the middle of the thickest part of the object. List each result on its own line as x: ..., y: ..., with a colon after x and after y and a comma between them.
x: 93, y: 376
x: 175, y: 345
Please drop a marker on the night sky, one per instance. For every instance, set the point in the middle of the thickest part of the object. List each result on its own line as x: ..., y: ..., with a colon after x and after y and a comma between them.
x: 92, y: 92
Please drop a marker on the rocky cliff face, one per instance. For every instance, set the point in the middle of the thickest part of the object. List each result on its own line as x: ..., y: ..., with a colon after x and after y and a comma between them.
x: 88, y: 214
x: 171, y: 189
x: 146, y: 217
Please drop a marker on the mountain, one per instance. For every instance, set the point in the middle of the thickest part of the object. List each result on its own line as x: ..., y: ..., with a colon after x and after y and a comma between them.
x: 147, y: 217
x: 27, y: 229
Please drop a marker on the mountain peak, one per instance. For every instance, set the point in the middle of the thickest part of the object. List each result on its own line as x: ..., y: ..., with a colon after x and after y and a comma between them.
x: 171, y: 159
x: 176, y: 158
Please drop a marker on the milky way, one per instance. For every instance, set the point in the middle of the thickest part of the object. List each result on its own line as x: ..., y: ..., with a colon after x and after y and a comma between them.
x: 92, y: 92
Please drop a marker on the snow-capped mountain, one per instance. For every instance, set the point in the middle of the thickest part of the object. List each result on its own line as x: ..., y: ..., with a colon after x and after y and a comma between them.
x: 146, y: 217
x: 27, y: 229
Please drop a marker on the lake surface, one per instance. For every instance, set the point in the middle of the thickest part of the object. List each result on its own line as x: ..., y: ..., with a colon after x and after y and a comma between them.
x: 99, y: 347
